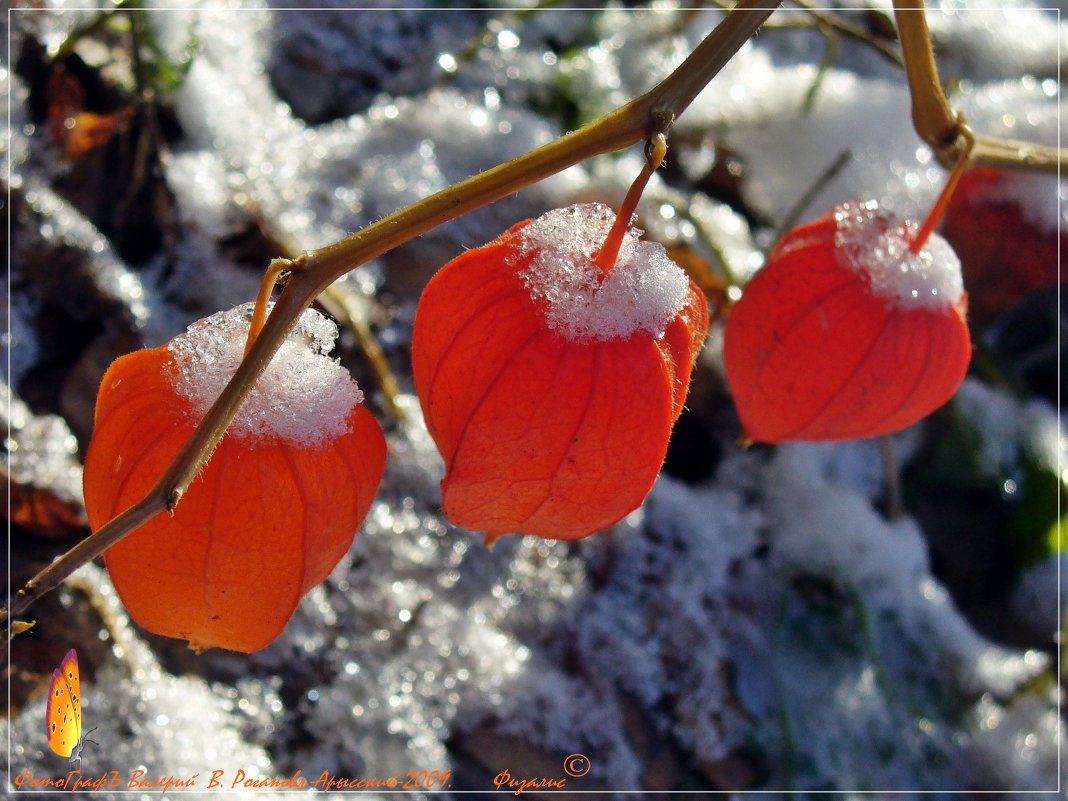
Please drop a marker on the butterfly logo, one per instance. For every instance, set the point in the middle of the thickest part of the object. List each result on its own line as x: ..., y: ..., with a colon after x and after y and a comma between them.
x: 64, y: 711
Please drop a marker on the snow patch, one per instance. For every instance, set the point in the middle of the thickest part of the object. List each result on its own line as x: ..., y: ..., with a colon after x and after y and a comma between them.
x: 1003, y: 40
x: 872, y: 243
x: 1037, y: 600
x: 644, y: 291
x: 1006, y: 428
x: 303, y: 397
x: 40, y: 451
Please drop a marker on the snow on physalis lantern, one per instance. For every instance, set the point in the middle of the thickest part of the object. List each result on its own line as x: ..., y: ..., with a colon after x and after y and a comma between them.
x: 551, y: 370
x: 274, y: 509
x: 855, y: 327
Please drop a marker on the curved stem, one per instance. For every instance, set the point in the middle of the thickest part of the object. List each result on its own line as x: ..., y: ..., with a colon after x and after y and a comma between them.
x: 942, y: 203
x: 654, y: 157
x: 259, y: 312
x: 934, y: 118
x: 653, y: 112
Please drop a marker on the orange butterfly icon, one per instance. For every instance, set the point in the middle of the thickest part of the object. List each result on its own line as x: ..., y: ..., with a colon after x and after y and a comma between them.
x: 64, y: 711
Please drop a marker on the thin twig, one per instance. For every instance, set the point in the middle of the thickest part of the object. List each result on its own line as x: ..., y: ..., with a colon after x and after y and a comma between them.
x: 259, y: 309
x: 830, y: 56
x: 847, y: 28
x: 803, y: 202
x: 653, y: 112
x: 719, y: 255
x: 87, y: 550
x: 895, y: 500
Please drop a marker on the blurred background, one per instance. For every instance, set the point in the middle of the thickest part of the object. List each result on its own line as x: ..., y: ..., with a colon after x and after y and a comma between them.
x: 778, y: 618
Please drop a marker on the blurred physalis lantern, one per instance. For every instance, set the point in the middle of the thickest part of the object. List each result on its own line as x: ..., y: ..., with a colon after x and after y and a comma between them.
x: 551, y: 365
x: 1004, y: 228
x: 855, y: 327
x: 277, y: 504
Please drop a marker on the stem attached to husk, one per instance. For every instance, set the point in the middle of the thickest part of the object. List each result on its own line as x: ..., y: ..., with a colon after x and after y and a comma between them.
x: 940, y: 206
x: 655, y: 151
x: 259, y: 312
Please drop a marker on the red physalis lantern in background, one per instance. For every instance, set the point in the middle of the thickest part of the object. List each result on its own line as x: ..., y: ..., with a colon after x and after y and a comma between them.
x: 550, y: 373
x: 274, y: 509
x: 855, y: 327
x: 1007, y: 246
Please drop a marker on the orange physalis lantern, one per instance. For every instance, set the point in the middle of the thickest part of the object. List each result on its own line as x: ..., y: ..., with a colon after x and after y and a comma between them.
x: 855, y: 327
x: 550, y: 372
x: 274, y: 509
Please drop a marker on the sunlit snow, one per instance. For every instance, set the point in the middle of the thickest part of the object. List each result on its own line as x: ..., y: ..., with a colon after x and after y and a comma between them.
x: 303, y: 396
x: 878, y: 247
x: 643, y: 291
